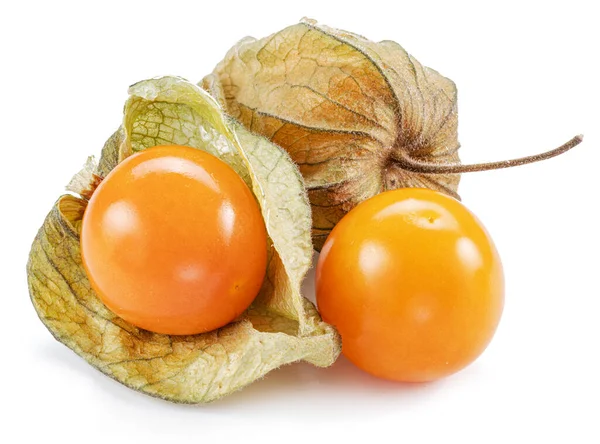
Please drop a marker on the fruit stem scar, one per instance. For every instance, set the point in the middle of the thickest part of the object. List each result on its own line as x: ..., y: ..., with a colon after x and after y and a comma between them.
x: 405, y: 162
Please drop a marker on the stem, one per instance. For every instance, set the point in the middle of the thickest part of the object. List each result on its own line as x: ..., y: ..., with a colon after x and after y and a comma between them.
x: 417, y: 166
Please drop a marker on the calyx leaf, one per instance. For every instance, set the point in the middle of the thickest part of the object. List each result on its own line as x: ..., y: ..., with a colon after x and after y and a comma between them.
x: 280, y: 327
x: 347, y: 110
x: 358, y: 117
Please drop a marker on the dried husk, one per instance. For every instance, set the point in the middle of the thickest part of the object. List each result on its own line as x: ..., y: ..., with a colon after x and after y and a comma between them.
x: 280, y: 327
x: 348, y: 111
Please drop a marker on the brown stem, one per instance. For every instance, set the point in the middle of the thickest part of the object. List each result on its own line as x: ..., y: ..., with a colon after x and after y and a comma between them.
x: 416, y: 166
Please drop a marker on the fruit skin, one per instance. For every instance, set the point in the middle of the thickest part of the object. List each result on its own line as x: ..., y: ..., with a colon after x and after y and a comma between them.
x: 173, y: 241
x: 414, y: 284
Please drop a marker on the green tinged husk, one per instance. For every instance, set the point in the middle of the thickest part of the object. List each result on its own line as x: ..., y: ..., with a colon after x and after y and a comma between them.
x: 280, y: 327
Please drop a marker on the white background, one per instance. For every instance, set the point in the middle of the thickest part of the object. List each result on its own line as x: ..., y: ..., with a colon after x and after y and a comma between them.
x: 528, y: 79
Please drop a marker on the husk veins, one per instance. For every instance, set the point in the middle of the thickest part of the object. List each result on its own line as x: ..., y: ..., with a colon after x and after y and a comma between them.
x: 346, y: 109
